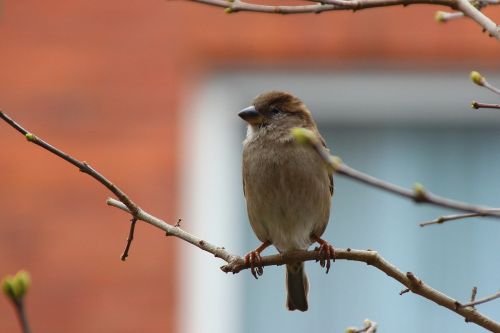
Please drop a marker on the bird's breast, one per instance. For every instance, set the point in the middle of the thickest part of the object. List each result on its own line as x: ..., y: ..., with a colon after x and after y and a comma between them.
x: 287, y: 193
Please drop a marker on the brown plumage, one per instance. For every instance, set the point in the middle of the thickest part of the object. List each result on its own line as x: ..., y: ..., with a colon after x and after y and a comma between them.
x: 287, y: 187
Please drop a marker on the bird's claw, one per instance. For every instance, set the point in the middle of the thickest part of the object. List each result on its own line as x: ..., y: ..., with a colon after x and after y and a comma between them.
x: 327, y: 253
x: 253, y: 259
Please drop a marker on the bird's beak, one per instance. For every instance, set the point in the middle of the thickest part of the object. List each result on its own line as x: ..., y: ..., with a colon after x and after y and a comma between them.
x: 251, y: 115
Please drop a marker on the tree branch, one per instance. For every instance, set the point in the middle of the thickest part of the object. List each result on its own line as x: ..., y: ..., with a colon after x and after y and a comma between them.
x: 482, y: 300
x: 481, y: 81
x: 369, y: 327
x: 478, y: 105
x: 83, y: 167
x: 236, y: 264
x: 418, y: 194
x: 21, y: 314
x: 464, y: 6
x: 446, y: 218
x: 475, y: 14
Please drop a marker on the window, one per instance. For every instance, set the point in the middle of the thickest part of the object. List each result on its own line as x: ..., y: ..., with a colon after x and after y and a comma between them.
x: 400, y: 127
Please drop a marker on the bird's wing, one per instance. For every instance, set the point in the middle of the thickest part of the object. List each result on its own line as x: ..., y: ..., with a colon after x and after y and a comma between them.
x: 244, y: 192
x: 330, y: 175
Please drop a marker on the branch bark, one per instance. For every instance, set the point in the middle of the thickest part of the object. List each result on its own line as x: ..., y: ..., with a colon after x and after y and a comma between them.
x: 236, y: 264
x: 418, y: 194
x: 475, y: 14
x: 479, y: 105
x: 483, y: 300
x: 85, y: 168
x: 464, y: 6
x: 455, y: 217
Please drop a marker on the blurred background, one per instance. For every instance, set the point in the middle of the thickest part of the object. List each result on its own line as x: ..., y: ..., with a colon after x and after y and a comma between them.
x: 148, y: 94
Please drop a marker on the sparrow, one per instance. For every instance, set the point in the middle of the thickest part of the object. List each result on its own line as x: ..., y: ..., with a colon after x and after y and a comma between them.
x: 287, y: 187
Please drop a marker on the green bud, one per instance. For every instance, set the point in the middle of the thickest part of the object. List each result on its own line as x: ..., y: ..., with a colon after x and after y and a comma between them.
x: 476, y: 4
x: 30, y: 136
x: 7, y: 287
x: 303, y: 136
x: 419, y: 191
x: 335, y: 162
x: 22, y: 282
x: 15, y: 287
x: 477, y: 78
x: 351, y: 330
x: 228, y: 10
x: 440, y: 16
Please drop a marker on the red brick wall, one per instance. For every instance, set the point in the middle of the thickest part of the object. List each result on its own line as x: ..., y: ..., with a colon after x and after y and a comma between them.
x: 104, y: 81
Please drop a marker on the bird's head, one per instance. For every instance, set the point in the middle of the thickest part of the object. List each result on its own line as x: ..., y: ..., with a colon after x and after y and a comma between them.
x: 277, y: 110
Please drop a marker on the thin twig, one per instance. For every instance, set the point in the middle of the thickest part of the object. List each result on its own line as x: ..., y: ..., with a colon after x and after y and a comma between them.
x: 491, y: 87
x: 476, y: 15
x: 82, y: 166
x: 236, y: 264
x: 482, y: 300
x: 418, y: 194
x: 478, y: 105
x: 473, y: 294
x: 442, y: 16
x: 446, y: 218
x: 232, y: 6
x: 21, y: 315
x: 130, y: 237
x: 472, y: 298
x: 322, y: 5
x: 370, y: 327
x: 481, y: 81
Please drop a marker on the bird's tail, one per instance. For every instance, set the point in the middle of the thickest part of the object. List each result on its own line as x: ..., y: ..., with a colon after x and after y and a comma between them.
x: 297, y: 287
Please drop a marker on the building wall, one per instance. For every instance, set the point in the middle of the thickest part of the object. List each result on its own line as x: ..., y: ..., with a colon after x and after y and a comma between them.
x: 105, y: 81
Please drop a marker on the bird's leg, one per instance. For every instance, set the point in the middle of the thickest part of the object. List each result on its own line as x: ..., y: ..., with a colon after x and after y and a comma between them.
x: 326, y: 250
x: 253, y: 259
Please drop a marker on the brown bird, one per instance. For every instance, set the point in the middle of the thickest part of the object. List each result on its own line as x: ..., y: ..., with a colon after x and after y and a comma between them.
x: 287, y: 187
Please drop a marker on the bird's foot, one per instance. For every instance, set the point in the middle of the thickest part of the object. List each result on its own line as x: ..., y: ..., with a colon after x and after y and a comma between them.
x: 253, y: 259
x: 326, y: 251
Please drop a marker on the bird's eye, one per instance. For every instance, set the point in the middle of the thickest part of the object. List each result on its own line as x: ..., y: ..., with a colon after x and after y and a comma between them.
x: 275, y: 110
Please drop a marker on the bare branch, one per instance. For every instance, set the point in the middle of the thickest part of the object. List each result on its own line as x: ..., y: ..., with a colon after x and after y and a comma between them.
x: 82, y: 166
x: 418, y: 194
x: 478, y: 105
x: 404, y: 291
x: 446, y: 218
x: 130, y: 238
x: 464, y: 6
x: 241, y: 6
x: 22, y: 316
x: 484, y: 21
x: 369, y: 327
x: 482, y: 300
x: 473, y: 294
x: 481, y: 81
x: 236, y: 264
x: 442, y: 16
